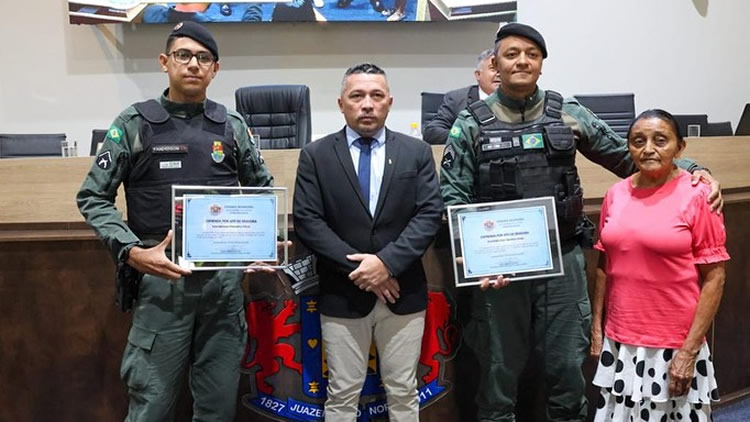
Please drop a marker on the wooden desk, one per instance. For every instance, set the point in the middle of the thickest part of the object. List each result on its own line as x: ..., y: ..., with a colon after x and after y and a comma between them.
x: 43, y: 190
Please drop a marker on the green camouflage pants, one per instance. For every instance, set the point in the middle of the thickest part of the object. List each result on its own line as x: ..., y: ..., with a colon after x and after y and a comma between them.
x: 196, y: 323
x: 557, y: 313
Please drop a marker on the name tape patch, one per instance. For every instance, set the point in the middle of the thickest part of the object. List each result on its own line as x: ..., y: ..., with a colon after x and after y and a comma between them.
x: 170, y: 149
x: 170, y: 165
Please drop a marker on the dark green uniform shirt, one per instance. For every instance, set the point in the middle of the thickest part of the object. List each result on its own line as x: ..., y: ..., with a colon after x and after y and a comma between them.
x: 96, y: 198
x: 594, y: 139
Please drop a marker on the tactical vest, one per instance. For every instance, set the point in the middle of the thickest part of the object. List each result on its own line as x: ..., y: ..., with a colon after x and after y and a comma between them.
x: 529, y: 160
x: 200, y: 150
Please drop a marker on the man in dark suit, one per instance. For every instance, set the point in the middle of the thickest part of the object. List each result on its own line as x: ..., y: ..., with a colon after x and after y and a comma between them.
x: 366, y: 202
x: 436, y: 130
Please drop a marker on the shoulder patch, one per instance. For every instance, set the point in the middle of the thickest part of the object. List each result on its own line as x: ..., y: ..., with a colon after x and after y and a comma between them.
x: 235, y: 117
x: 455, y: 132
x: 449, y: 156
x: 104, y: 160
x: 114, y: 134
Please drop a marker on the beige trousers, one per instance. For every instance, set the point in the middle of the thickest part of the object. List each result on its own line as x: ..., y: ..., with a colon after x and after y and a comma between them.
x: 347, y: 343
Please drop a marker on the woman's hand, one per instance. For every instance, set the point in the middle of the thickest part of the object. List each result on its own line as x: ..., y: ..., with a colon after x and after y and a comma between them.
x: 597, y: 307
x: 681, y: 371
x: 597, y: 342
x: 683, y: 364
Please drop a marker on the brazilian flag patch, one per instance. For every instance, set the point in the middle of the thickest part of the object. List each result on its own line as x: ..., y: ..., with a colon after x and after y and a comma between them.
x: 532, y: 141
x: 114, y: 134
x: 455, y: 132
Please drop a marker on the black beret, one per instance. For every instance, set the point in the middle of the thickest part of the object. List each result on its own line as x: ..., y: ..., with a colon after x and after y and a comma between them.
x: 198, y: 33
x: 525, y: 31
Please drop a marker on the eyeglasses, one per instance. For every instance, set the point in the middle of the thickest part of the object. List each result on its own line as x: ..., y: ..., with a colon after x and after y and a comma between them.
x: 183, y: 56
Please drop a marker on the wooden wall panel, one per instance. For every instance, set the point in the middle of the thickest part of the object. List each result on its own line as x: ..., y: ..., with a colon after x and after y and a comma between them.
x: 62, y: 336
x: 731, y: 338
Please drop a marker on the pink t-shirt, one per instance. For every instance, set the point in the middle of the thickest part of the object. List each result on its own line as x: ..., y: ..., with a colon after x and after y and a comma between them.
x: 654, y: 239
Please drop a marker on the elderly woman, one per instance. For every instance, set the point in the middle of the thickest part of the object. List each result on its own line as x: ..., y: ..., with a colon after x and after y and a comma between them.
x: 658, y: 286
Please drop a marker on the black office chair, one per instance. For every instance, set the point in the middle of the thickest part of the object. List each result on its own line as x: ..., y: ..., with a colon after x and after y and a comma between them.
x: 31, y: 145
x: 431, y: 102
x: 97, y: 138
x: 280, y: 114
x: 718, y: 129
x: 743, y: 126
x: 683, y: 120
x: 617, y: 110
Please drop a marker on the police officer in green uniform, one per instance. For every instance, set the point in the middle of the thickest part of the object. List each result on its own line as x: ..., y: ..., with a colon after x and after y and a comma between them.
x: 520, y: 143
x: 182, y: 321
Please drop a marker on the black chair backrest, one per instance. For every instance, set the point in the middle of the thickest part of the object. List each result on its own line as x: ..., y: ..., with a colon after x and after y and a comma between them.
x: 431, y: 102
x: 31, y: 145
x: 280, y: 114
x: 718, y: 129
x: 617, y: 110
x: 97, y: 138
x: 683, y: 120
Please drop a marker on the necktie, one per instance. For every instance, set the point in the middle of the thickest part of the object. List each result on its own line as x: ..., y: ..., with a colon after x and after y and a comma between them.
x: 363, y: 173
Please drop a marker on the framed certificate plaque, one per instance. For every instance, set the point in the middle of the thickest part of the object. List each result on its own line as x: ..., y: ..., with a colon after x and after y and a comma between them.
x: 223, y: 227
x: 516, y: 239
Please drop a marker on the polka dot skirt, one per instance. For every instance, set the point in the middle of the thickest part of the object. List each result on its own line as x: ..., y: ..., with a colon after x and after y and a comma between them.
x: 634, y: 385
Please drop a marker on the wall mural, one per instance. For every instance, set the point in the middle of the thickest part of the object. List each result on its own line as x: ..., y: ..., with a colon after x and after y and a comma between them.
x: 286, y: 367
x: 113, y: 11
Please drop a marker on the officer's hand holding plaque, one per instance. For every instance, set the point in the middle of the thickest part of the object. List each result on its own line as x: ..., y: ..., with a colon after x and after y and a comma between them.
x: 515, y: 239
x: 229, y: 227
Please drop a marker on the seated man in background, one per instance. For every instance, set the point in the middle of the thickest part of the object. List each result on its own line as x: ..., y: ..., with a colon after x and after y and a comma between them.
x: 436, y: 130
